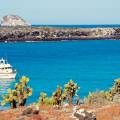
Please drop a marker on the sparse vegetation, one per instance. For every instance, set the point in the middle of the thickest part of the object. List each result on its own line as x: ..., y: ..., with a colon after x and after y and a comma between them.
x: 42, y: 97
x: 97, y: 98
x: 70, y: 90
x: 116, y: 87
x: 104, y: 97
x: 18, y: 96
x: 59, y: 96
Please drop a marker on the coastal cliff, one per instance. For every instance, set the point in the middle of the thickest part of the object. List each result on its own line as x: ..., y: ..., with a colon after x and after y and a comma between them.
x: 13, y: 20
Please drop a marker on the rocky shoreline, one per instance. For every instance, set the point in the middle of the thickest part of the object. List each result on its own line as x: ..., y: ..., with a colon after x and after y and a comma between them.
x: 31, y: 33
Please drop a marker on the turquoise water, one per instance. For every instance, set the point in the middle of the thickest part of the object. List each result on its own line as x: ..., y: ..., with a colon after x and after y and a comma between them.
x: 92, y: 64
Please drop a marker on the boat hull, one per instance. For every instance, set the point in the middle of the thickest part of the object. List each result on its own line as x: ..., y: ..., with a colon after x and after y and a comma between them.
x: 8, y: 75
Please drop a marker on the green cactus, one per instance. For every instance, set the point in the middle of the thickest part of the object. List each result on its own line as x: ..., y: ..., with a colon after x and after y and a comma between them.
x: 42, y: 98
x: 109, y: 95
x: 50, y: 101
x: 11, y: 98
x: 57, y: 96
x: 18, y: 96
x: 70, y: 90
x: 116, y: 87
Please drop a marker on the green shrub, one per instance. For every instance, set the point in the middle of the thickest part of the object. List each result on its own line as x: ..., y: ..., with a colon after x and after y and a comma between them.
x: 96, y: 98
x: 104, y: 97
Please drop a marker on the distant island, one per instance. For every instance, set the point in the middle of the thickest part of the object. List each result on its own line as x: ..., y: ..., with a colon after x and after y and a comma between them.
x: 13, y: 28
x: 13, y: 21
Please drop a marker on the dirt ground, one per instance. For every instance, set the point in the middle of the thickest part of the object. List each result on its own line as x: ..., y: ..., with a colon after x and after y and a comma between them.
x: 108, y: 112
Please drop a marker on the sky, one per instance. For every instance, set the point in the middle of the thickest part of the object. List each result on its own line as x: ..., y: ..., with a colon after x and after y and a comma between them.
x: 63, y: 11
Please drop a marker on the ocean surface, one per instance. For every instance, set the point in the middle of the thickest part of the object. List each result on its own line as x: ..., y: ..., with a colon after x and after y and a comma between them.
x: 92, y: 64
x: 80, y: 26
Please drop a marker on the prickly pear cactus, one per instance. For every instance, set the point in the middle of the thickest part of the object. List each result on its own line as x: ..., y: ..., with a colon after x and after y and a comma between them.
x: 19, y: 95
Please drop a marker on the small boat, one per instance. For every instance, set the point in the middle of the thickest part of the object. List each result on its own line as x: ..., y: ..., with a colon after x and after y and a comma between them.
x: 6, y: 70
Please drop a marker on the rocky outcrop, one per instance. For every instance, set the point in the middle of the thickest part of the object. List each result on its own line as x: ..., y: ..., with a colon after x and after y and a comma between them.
x: 31, y: 110
x: 13, y: 20
x: 83, y: 114
x: 32, y: 33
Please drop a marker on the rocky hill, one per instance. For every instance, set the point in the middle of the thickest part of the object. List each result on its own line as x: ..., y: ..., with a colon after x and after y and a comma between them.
x: 13, y: 20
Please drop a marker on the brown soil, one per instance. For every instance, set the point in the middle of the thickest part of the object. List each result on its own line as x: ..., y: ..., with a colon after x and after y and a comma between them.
x: 108, y: 112
x: 46, y: 113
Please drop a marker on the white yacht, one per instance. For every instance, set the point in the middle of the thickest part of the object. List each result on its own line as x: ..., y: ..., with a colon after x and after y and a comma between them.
x: 6, y: 70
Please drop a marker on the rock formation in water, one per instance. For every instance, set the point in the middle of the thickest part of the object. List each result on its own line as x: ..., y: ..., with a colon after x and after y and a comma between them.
x: 13, y: 20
